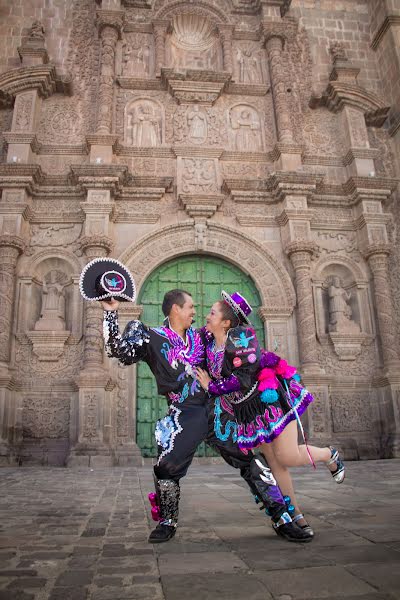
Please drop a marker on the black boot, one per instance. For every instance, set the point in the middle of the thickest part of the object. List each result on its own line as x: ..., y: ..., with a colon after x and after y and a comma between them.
x: 269, y: 495
x: 168, y: 494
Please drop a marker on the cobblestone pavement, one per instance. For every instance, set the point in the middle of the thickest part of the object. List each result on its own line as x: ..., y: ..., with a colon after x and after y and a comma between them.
x: 82, y: 534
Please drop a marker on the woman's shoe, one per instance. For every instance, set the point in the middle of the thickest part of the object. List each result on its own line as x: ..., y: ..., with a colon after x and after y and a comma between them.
x: 306, y: 527
x: 339, y: 474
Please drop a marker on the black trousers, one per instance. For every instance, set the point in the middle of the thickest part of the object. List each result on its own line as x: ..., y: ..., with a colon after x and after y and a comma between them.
x: 185, y: 427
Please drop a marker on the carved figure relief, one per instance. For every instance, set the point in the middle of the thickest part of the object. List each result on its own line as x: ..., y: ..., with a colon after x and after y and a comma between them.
x: 36, y: 31
x: 340, y: 313
x: 199, y: 176
x: 197, y: 123
x: 249, y: 67
x: 245, y: 124
x: 52, y: 313
x: 23, y: 112
x: 193, y: 43
x: 143, y: 124
x: 137, y: 59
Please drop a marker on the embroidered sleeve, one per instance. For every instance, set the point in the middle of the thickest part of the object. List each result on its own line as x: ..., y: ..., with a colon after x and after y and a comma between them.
x: 131, y: 346
x: 224, y: 385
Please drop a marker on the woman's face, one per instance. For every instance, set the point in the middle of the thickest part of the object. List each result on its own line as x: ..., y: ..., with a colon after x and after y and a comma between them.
x: 215, y: 323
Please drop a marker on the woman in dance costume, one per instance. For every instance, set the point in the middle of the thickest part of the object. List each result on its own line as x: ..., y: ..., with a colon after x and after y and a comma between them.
x: 264, y: 393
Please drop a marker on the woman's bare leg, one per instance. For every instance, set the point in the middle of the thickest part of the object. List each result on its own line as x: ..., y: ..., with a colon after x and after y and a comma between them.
x: 290, y: 454
x: 282, y: 476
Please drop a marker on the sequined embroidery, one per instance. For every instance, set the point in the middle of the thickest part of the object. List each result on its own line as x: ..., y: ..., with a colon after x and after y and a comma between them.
x: 166, y: 431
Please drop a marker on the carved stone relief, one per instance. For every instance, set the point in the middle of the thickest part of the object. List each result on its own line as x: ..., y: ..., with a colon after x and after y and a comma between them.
x: 143, y: 123
x: 199, y: 176
x: 351, y: 411
x: 357, y: 128
x: 195, y: 125
x: 138, y: 55
x: 29, y: 368
x: 384, y: 162
x: 322, y: 133
x: 250, y: 63
x: 60, y: 121
x: 46, y: 415
x: 23, y: 112
x: 245, y: 129
x: 53, y: 310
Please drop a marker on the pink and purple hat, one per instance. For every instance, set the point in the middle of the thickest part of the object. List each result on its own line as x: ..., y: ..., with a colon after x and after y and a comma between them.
x: 238, y: 304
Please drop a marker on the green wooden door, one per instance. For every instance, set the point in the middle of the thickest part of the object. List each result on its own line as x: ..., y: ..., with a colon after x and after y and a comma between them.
x: 204, y: 278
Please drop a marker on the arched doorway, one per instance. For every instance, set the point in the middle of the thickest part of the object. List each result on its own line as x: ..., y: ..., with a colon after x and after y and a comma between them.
x: 204, y: 277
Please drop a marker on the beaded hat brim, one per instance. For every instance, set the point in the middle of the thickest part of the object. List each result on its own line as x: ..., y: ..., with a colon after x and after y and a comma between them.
x: 106, y: 271
x: 235, y: 307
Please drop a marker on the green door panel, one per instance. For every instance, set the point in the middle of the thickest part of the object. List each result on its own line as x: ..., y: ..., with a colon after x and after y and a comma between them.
x: 204, y: 278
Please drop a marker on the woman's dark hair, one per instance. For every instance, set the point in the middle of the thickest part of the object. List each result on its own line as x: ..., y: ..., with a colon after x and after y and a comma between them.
x: 173, y: 297
x: 228, y: 314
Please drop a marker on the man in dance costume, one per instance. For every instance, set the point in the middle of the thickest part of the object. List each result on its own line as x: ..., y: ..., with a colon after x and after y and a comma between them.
x: 173, y: 352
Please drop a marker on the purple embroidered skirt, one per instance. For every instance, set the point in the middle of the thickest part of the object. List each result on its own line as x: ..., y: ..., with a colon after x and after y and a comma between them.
x: 261, y: 422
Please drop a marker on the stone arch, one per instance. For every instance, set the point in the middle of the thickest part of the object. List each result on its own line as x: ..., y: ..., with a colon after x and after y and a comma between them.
x: 271, y: 278
x: 30, y: 264
x: 359, y: 273
x: 222, y: 15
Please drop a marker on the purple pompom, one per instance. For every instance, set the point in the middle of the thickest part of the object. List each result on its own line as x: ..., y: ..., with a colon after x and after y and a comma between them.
x: 269, y: 359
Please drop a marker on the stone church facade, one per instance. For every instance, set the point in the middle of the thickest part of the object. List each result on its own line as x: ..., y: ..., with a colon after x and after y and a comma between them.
x: 264, y: 133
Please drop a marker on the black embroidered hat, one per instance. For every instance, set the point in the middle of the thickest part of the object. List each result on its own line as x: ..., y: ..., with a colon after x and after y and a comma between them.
x: 104, y: 278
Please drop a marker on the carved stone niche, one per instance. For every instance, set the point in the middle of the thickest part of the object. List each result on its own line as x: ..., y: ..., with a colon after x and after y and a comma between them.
x: 245, y: 128
x: 193, y: 44
x: 49, y: 308
x: 144, y: 123
x: 343, y: 308
x: 195, y: 60
x: 50, y: 334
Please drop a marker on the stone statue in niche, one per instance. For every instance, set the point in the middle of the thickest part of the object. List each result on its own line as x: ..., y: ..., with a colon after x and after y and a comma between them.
x: 246, y: 126
x: 197, y: 123
x: 249, y: 66
x: 340, y: 313
x: 143, y: 127
x: 337, y: 51
x: 136, y: 61
x: 52, y: 314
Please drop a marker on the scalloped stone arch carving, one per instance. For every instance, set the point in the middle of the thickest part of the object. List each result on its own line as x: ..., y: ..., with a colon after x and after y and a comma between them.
x: 359, y: 273
x: 202, y: 8
x: 271, y: 278
x: 30, y: 266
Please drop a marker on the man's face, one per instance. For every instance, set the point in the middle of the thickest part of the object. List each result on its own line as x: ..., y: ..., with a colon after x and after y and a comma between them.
x: 185, y: 314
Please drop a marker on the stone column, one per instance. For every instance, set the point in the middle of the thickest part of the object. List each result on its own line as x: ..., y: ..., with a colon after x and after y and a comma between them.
x: 110, y: 26
x: 160, y: 31
x: 274, y: 44
x: 300, y: 255
x: 10, y: 249
x: 377, y: 257
x: 226, y: 32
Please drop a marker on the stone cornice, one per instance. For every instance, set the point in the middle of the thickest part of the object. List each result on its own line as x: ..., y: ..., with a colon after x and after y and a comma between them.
x: 339, y: 94
x: 150, y: 182
x: 33, y: 52
x: 62, y: 149
x: 13, y: 137
x: 99, y: 139
x: 41, y: 77
x: 132, y: 27
x: 16, y: 175
x: 138, y: 83
x: 190, y: 152
x: 372, y: 219
x: 204, y: 205
x: 233, y: 155
x: 292, y: 182
x: 151, y: 151
x: 265, y: 313
x: 353, y: 153
x: 385, y: 26
x: 193, y: 85
x: 247, y: 89
x: 101, y: 176
x: 361, y: 188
